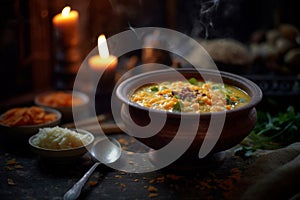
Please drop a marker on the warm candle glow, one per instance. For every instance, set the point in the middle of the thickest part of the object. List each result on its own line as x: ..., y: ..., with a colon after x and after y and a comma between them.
x: 66, y: 11
x: 105, y: 63
x: 102, y: 47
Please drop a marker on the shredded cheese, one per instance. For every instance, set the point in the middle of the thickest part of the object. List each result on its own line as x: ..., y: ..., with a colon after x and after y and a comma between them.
x: 60, y: 138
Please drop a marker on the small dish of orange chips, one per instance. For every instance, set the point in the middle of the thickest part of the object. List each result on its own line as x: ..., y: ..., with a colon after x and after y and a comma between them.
x: 59, y: 99
x: 25, y: 121
x: 27, y: 116
x: 64, y: 101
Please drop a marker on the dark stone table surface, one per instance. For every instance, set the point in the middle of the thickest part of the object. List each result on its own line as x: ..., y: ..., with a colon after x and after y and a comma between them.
x: 24, y: 175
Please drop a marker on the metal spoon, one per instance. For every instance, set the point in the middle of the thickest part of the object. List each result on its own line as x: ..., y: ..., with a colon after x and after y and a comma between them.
x: 107, y: 151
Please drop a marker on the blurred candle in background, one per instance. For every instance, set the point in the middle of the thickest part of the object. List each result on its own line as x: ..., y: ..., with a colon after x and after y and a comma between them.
x: 106, y: 63
x: 66, y: 46
x: 66, y: 26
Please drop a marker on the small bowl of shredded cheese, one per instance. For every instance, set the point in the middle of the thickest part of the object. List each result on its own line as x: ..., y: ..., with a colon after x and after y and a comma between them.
x: 61, y: 143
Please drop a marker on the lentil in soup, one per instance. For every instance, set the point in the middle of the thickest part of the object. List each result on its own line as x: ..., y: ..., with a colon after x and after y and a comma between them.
x: 190, y: 96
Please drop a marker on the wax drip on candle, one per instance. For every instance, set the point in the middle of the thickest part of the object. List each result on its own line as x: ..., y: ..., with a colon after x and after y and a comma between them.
x: 102, y: 47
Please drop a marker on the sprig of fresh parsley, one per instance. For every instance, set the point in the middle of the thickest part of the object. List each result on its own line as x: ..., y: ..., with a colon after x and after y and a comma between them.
x: 272, y: 132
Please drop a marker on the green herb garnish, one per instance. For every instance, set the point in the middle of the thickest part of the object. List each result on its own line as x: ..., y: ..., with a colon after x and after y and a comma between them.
x: 282, y: 128
x: 154, y: 89
x: 177, y: 106
x: 193, y: 81
x: 272, y: 132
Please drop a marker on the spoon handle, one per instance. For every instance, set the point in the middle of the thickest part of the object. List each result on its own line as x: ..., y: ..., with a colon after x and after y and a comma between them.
x: 75, y: 191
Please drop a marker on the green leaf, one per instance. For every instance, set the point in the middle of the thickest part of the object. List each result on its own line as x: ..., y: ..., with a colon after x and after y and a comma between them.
x: 154, y: 89
x: 177, y: 106
x: 275, y: 131
x: 193, y: 81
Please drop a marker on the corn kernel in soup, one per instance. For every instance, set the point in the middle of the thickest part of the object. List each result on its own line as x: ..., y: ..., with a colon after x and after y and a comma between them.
x: 190, y: 96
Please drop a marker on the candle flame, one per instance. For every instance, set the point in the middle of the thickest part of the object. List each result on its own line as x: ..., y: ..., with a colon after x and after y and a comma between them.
x: 102, y: 47
x: 65, y: 12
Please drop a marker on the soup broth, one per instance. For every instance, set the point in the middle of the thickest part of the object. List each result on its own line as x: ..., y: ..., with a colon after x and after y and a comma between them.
x: 190, y: 96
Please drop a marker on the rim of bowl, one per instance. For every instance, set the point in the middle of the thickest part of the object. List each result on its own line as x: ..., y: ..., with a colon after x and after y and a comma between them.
x: 79, y: 94
x: 125, y: 89
x: 63, y: 150
x: 47, y: 109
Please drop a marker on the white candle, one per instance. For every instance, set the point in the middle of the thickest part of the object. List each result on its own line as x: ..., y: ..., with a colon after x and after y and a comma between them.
x: 104, y: 59
x: 104, y: 62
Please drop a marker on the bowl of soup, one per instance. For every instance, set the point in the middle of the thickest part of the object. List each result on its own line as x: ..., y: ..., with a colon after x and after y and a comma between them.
x: 197, y: 106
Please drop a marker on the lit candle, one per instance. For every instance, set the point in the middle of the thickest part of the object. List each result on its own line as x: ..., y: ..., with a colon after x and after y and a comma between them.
x: 104, y: 59
x: 104, y: 62
x: 66, y: 27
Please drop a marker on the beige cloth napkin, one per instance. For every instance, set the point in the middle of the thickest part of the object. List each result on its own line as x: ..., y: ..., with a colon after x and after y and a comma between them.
x: 275, y: 175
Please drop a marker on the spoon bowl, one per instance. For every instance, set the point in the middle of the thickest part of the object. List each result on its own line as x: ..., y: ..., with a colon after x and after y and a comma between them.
x: 104, y: 150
